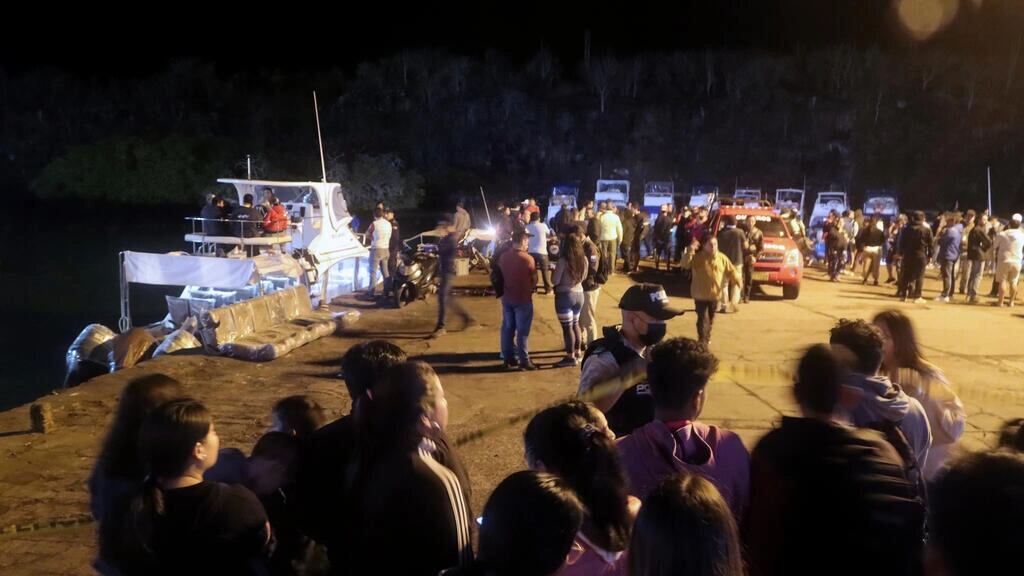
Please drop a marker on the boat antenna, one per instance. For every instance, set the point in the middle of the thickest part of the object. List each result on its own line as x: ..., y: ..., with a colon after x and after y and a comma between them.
x: 486, y: 210
x: 320, y: 138
x: 248, y: 167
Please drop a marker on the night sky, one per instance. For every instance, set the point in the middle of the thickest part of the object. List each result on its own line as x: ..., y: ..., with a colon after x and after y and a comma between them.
x: 127, y: 43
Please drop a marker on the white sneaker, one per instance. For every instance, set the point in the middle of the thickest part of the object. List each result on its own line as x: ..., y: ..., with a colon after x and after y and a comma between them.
x: 920, y: 301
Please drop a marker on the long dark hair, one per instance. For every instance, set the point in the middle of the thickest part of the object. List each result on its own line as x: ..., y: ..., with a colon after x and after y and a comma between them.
x: 166, y: 444
x: 569, y: 440
x: 119, y: 455
x: 904, y: 341
x: 529, y: 524
x: 685, y: 527
x: 389, y: 424
x: 575, y: 259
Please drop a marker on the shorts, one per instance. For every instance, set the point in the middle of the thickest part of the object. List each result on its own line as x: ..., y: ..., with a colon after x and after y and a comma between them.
x: 1008, y: 272
x: 568, y: 306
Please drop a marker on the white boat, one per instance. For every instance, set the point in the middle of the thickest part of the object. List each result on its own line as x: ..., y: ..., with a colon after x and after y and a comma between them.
x: 614, y: 192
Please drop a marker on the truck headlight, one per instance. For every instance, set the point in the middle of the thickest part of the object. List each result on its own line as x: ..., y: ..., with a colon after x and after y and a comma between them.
x: 793, y: 257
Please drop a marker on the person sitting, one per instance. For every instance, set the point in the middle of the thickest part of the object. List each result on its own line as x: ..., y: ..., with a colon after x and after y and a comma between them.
x: 396, y: 490
x: 119, y: 472
x: 276, y: 220
x: 685, y: 527
x: 572, y: 441
x: 527, y: 529
x: 249, y: 219
x: 179, y: 517
x: 329, y: 449
x: 213, y: 215
x: 297, y: 415
x: 974, y: 516
x: 674, y: 442
x: 821, y: 488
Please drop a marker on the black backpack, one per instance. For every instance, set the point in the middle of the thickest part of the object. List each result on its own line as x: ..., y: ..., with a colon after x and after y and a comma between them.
x: 497, y: 278
x: 897, y: 439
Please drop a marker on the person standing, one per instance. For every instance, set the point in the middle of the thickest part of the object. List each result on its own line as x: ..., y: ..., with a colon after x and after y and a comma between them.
x: 711, y: 270
x: 892, y: 237
x: 394, y: 250
x: 978, y: 244
x: 732, y: 243
x: 629, y: 235
x: 538, y: 246
x: 1009, y: 253
x: 447, y: 251
x: 379, y: 234
x: 643, y: 229
x: 869, y: 246
x: 663, y: 238
x: 963, y: 266
x: 246, y: 218
x: 595, y: 278
x: 915, y: 249
x: 463, y: 221
x: 754, y: 247
x: 570, y: 272
x: 611, y: 235
x: 519, y: 277
x: 948, y: 254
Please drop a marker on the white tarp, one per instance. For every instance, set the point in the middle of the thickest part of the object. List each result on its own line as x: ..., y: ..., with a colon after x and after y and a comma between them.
x: 172, y: 270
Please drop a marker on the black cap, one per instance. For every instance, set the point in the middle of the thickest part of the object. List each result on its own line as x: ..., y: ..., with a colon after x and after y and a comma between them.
x: 650, y: 299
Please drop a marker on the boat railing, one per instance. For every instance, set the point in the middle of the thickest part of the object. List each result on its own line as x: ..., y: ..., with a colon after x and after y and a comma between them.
x: 202, y: 245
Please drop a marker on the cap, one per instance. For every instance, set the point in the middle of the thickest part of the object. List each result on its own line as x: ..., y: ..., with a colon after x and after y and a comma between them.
x: 650, y: 299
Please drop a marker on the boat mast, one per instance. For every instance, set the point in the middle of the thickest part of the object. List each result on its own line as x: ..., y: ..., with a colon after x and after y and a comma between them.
x: 320, y: 138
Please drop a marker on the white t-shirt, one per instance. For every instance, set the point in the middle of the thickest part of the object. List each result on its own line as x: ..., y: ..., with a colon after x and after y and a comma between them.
x: 538, y: 243
x: 1010, y: 245
x: 381, y: 234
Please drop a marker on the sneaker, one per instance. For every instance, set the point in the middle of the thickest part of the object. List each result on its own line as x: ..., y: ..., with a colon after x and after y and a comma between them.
x: 940, y: 299
x: 903, y: 298
x: 972, y: 300
x: 876, y: 283
x: 566, y: 362
x: 513, y: 365
x: 437, y: 333
x: 920, y: 301
x: 528, y: 366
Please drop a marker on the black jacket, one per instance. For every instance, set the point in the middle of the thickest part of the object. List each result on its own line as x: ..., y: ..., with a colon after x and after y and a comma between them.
x: 629, y: 230
x: 916, y: 242
x: 870, y: 236
x: 822, y: 492
x: 978, y: 243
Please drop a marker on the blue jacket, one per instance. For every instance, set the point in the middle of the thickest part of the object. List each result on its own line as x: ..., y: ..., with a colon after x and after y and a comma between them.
x: 949, y: 243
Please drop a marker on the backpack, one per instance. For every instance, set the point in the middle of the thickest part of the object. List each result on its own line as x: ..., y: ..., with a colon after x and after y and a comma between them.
x: 897, y: 439
x: 497, y: 278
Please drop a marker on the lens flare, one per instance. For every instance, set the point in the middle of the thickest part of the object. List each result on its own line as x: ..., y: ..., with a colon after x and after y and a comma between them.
x: 923, y: 18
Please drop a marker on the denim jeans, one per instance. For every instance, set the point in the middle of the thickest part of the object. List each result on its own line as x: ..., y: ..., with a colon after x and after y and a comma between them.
x: 541, y: 262
x: 378, y: 262
x: 948, y: 280
x: 516, y: 320
x: 977, y: 266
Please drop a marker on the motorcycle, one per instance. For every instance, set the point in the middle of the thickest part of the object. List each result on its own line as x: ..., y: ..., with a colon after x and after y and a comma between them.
x: 415, y: 277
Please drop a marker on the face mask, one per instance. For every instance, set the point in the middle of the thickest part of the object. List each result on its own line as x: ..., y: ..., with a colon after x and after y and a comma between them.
x: 654, y: 334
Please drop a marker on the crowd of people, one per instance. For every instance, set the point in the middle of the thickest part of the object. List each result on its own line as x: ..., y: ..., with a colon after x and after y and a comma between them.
x: 964, y: 247
x: 625, y: 480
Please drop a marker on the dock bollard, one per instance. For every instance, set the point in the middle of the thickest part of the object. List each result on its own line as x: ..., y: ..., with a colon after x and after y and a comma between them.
x: 41, y: 415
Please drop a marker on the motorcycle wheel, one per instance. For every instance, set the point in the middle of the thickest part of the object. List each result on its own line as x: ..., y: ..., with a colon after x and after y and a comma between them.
x: 403, y: 295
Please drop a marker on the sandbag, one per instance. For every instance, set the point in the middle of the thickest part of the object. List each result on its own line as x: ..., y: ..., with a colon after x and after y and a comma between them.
x: 180, y: 339
x: 87, y: 356
x: 131, y: 348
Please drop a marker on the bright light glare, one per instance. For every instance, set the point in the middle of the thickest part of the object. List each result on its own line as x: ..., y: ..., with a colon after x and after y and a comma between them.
x: 923, y: 18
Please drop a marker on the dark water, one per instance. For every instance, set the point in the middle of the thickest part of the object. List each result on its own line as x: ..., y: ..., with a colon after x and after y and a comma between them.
x: 59, y: 273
